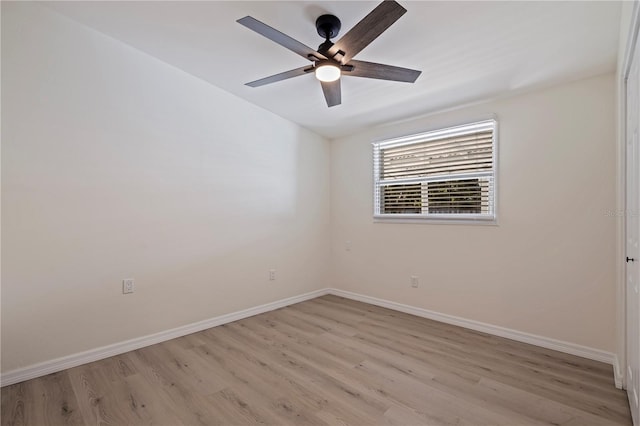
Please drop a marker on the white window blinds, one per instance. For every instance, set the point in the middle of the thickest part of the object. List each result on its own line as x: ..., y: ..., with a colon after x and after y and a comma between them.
x: 443, y: 174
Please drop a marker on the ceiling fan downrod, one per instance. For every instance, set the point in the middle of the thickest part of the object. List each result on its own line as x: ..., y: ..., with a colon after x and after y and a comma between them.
x: 328, y: 27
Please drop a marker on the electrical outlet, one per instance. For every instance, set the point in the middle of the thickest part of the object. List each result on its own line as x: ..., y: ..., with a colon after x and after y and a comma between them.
x: 128, y: 286
x: 347, y: 245
x: 414, y: 281
x: 272, y: 274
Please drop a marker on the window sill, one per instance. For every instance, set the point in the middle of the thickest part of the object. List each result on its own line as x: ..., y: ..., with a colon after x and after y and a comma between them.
x: 437, y: 221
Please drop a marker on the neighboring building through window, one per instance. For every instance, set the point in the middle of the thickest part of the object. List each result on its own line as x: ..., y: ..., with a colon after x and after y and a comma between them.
x: 446, y: 174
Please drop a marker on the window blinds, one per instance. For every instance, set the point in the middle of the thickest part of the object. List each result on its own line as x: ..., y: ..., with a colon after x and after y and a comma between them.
x: 450, y: 172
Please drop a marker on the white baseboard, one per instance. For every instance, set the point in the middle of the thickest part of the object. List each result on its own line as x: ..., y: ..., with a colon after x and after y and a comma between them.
x: 545, y: 342
x: 59, y: 364
x: 618, y: 376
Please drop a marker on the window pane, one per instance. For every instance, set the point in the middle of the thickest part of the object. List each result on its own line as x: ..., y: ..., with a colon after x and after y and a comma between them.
x: 405, y: 199
x: 456, y: 196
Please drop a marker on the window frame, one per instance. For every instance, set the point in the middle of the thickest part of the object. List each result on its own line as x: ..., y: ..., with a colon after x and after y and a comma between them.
x: 490, y: 218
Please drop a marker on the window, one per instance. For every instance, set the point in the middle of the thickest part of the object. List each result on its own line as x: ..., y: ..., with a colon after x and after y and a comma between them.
x: 446, y: 174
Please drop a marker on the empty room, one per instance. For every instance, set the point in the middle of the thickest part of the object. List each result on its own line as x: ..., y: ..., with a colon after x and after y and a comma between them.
x: 320, y: 213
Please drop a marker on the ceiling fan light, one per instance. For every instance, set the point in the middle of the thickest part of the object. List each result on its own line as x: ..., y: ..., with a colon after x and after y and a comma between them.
x: 327, y: 73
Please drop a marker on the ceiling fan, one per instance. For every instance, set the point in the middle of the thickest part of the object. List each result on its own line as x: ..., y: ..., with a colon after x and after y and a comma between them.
x: 331, y: 60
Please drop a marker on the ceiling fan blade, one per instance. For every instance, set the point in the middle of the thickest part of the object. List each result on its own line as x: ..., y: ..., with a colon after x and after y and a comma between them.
x: 281, y: 76
x: 381, y: 71
x: 280, y: 38
x: 367, y: 30
x: 332, y: 92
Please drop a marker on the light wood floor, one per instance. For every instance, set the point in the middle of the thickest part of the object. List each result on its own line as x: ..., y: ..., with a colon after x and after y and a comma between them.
x: 327, y: 361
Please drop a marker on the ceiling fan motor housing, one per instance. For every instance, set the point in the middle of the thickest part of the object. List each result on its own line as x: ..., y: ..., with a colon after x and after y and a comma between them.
x: 328, y: 26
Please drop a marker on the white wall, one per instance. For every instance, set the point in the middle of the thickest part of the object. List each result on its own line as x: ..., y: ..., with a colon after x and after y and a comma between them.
x: 117, y: 165
x: 547, y: 268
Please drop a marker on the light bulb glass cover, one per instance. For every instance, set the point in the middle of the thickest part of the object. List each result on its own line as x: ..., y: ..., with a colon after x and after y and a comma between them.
x: 327, y: 72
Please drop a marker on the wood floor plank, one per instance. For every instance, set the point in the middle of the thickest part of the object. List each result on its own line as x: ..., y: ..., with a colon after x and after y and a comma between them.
x: 501, y: 349
x: 326, y: 361
x: 233, y: 408
x: 324, y: 324
x: 496, y: 393
x: 47, y: 400
x: 304, y: 362
x: 158, y: 406
x: 483, y: 356
x: 17, y: 404
x: 254, y: 376
x: 99, y: 399
x: 456, y: 402
x: 568, y: 392
x: 466, y: 336
x: 294, y: 362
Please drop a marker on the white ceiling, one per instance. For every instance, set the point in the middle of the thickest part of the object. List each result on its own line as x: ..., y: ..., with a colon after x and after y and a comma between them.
x: 467, y: 51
